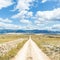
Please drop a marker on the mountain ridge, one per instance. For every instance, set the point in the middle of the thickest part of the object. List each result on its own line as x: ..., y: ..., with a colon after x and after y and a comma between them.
x: 2, y: 31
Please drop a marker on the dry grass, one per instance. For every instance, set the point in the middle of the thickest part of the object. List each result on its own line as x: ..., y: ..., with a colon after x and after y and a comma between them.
x: 10, y: 37
x: 13, y: 51
x: 10, y: 44
x: 49, y: 44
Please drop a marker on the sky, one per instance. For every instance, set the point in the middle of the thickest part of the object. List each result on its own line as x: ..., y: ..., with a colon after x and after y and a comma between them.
x: 30, y: 14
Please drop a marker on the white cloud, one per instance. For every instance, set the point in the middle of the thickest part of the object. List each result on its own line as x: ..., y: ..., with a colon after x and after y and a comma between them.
x: 12, y: 26
x: 41, y: 17
x: 29, y: 27
x: 5, y: 20
x: 49, y: 15
x: 24, y: 4
x: 9, y: 26
x: 30, y: 14
x: 43, y: 1
x: 25, y: 21
x: 2, y: 24
x: 20, y: 14
x: 5, y: 3
x: 23, y: 14
x: 56, y: 27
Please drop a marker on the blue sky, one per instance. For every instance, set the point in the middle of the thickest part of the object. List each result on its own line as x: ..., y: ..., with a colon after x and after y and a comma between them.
x: 30, y: 14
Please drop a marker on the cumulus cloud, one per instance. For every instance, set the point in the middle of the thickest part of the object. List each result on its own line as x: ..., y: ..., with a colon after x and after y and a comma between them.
x: 43, y: 1
x: 49, y: 15
x: 20, y: 14
x: 39, y: 19
x: 24, y: 4
x: 5, y: 3
x: 23, y: 14
x: 12, y: 26
x: 56, y: 27
x: 6, y: 20
x: 2, y: 24
x: 9, y: 26
x: 30, y: 27
x: 25, y: 21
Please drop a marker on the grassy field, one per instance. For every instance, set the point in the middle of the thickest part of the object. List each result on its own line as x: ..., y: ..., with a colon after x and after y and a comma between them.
x: 12, y: 52
x: 49, y: 44
x: 10, y: 44
x: 10, y: 37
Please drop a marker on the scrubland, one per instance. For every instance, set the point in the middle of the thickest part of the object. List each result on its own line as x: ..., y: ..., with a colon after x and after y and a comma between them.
x: 10, y: 37
x: 49, y: 44
x: 10, y: 45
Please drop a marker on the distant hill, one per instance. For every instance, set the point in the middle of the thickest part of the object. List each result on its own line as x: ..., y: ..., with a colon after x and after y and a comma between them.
x: 2, y: 31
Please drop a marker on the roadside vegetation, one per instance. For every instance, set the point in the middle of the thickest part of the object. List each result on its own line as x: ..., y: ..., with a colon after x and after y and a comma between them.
x: 10, y: 45
x: 10, y: 54
x: 10, y: 37
x: 49, y: 44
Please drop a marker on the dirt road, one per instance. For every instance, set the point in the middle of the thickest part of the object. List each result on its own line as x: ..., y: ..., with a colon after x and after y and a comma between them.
x: 30, y: 51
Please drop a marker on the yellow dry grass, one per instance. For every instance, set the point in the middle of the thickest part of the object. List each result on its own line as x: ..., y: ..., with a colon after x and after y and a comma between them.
x: 49, y: 44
